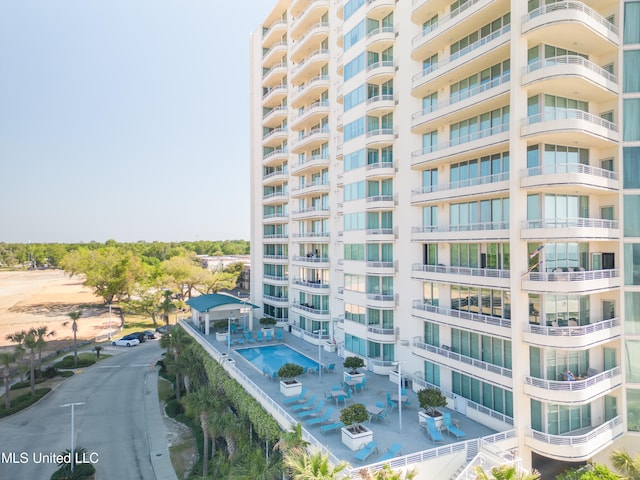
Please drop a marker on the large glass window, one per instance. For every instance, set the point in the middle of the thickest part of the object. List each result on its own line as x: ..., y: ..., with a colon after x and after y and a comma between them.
x: 632, y: 348
x: 632, y: 313
x: 631, y: 122
x: 631, y: 22
x: 354, y: 35
x: 633, y: 409
x: 354, y: 66
x: 354, y: 97
x: 355, y: 344
x: 432, y: 373
x: 564, y: 419
x: 631, y: 81
x: 631, y: 166
x: 354, y: 160
x: 631, y: 216
x: 485, y: 301
x: 632, y: 263
x: 354, y: 129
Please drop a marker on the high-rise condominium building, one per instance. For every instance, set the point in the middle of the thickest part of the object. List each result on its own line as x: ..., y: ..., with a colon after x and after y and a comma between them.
x: 455, y: 185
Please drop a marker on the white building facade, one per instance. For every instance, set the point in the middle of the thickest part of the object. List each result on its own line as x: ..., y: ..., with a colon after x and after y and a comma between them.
x: 456, y: 186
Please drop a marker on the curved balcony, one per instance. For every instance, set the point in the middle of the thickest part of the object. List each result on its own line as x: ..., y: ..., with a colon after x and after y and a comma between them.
x: 381, y: 300
x: 274, y: 33
x: 381, y: 72
x: 311, y: 164
x: 311, y: 212
x: 583, y: 282
x: 570, y: 76
x: 306, y: 13
x: 466, y: 320
x: 274, y: 300
x: 488, y: 50
x: 423, y: 10
x: 275, y: 116
x: 275, y: 137
x: 275, y: 197
x: 380, y: 38
x: 575, y: 446
x: 381, y: 202
x: 484, y: 277
x: 376, y: 333
x: 310, y: 261
x: 381, y: 104
x: 567, y: 22
x: 340, y: 94
x: 309, y: 92
x: 580, y: 391
x: 340, y: 66
x: 483, y: 98
x: 275, y: 157
x: 274, y: 75
x: 312, y: 40
x: 307, y: 237
x: 310, y: 311
x: 340, y: 36
x: 579, y: 176
x: 380, y: 137
x: 315, y: 187
x: 273, y: 96
x: 275, y: 259
x: 311, y: 287
x: 310, y: 115
x: 475, y: 231
x: 380, y: 268
x: 380, y: 234
x: 310, y: 66
x: 274, y: 55
x: 580, y: 336
x: 276, y: 279
x: 560, y: 125
x: 378, y: 9
x: 380, y: 170
x: 275, y: 238
x: 490, y: 140
x: 455, y: 24
x: 309, y: 141
x: 279, y: 217
x: 340, y: 9
x: 574, y: 228
x: 471, y: 366
x: 486, y: 185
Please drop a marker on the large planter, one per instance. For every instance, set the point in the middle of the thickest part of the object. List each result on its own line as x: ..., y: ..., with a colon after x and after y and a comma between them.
x: 353, y: 377
x: 422, y: 416
x: 290, y: 388
x: 329, y: 347
x: 221, y: 336
x: 264, y: 331
x: 355, y: 441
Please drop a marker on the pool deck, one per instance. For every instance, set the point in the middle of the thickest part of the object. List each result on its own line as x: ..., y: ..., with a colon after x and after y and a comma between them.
x: 406, y: 432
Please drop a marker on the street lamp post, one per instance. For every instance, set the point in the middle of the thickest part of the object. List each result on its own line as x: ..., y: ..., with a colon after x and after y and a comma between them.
x: 319, y: 355
x: 109, y: 320
x: 228, y: 336
x: 73, y: 454
x: 399, y: 397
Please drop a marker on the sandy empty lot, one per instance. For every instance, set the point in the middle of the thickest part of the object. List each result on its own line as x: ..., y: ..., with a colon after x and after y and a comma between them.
x: 46, y: 297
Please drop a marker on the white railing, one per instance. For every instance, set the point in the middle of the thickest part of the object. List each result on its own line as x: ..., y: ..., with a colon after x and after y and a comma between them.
x: 275, y: 174
x: 306, y: 308
x: 380, y: 198
x: 571, y: 440
x: 487, y: 132
x: 387, y: 97
x: 577, y: 331
x: 571, y: 223
x: 310, y: 58
x: 474, y: 272
x: 268, y: 236
x: 381, y: 64
x: 464, y: 315
x: 380, y: 131
x: 279, y: 108
x: 269, y: 70
x: 372, y: 166
x: 277, y: 278
x: 570, y: 60
x: 256, y: 392
x: 574, y: 385
x: 273, y: 194
x: 569, y: 114
x: 306, y: 283
x: 442, y: 21
x: 380, y: 30
x: 470, y: 227
x: 577, y: 6
x: 269, y: 216
x: 277, y: 151
x: 320, y: 209
x: 310, y: 234
x: 313, y: 158
x: 274, y: 47
x: 274, y: 132
x: 274, y: 298
x: 275, y: 257
x: 311, y: 259
x: 380, y: 297
x: 372, y: 264
x: 270, y: 90
x: 309, y: 83
x: 472, y: 182
x: 382, y: 331
x: 310, y: 32
x: 447, y: 352
x: 304, y: 111
x: 276, y: 24
x: 579, y: 276
x: 564, y: 168
x: 380, y: 231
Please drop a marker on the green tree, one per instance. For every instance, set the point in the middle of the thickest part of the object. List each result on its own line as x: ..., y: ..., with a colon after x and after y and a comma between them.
x: 40, y: 334
x: 291, y: 440
x: 74, y: 327
x: 386, y: 473
x: 625, y: 464
x: 7, y: 360
x: 183, y: 274
x: 251, y: 464
x: 213, y: 282
x: 506, y: 472
x: 315, y: 465
x: 198, y: 404
x: 26, y: 340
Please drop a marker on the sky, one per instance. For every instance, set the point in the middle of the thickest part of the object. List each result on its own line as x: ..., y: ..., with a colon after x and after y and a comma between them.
x: 125, y: 120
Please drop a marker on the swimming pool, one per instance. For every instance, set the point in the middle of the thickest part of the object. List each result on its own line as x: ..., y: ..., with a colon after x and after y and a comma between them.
x: 272, y: 357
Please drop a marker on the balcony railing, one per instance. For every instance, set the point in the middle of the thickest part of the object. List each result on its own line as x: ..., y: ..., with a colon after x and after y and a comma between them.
x: 311, y: 259
x: 570, y: 60
x: 470, y: 227
x: 442, y: 20
x: 310, y: 309
x: 275, y: 257
x: 274, y: 298
x: 310, y: 234
x: 319, y: 182
x: 277, y: 278
x: 381, y: 297
x: 570, y: 114
x: 472, y: 182
x: 270, y: 90
x: 576, y: 6
x: 487, y: 132
x: 574, y: 385
x: 571, y: 223
x: 308, y: 84
x: 310, y: 58
x: 372, y: 166
x: 306, y: 283
x: 474, y: 272
x: 564, y: 168
x: 576, y: 440
x: 381, y: 331
x: 275, y: 174
x: 273, y: 47
x: 474, y: 317
x: 277, y: 151
x: 579, y: 276
x: 577, y: 331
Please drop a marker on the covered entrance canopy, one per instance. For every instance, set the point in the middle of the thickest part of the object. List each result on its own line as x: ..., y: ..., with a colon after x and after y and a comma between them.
x: 219, y: 306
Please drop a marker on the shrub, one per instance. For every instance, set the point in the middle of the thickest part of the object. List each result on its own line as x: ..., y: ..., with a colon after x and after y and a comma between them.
x: 83, y: 361
x: 66, y: 374
x: 50, y: 372
x: 268, y: 321
x: 353, y: 363
x: 173, y: 408
x: 23, y: 401
x: 354, y: 414
x: 430, y: 399
x: 289, y: 371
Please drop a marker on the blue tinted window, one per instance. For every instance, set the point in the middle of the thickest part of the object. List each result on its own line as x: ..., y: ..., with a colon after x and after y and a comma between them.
x: 354, y: 129
x: 354, y: 66
x: 354, y: 35
x: 351, y: 7
x: 354, y: 98
x: 354, y: 160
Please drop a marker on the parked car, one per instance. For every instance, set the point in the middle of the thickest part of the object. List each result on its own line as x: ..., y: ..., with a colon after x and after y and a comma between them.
x: 150, y: 334
x: 139, y: 335
x: 164, y: 329
x: 126, y: 341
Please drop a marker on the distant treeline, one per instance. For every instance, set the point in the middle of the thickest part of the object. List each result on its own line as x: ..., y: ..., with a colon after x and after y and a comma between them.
x: 30, y: 255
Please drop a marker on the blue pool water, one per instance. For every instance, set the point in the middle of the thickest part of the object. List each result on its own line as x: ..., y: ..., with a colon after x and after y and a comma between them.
x: 272, y: 357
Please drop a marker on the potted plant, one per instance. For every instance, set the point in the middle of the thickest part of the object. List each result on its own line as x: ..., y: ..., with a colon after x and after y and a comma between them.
x: 267, y: 324
x: 289, y: 386
x: 354, y: 434
x: 352, y: 364
x: 430, y: 400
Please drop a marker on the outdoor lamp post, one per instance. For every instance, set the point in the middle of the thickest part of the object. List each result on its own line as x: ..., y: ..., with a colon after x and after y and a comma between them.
x: 72, y: 405
x: 228, y: 336
x: 319, y: 332
x: 109, y: 320
x: 399, y: 397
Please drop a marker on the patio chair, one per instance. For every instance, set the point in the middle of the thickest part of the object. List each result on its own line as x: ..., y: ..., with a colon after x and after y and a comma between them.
x: 269, y: 336
x: 305, y: 406
x: 384, y: 413
x: 260, y: 336
x: 331, y: 427
x: 314, y: 411
x: 330, y: 368
x: 391, y: 403
x: 311, y: 371
x: 451, y: 428
x: 324, y: 418
x: 240, y: 341
x: 229, y: 341
x: 393, y: 451
x: 248, y: 337
x: 432, y: 430
x: 279, y: 335
x: 360, y: 386
x: 234, y: 328
x: 345, y: 397
x: 366, y: 451
x: 297, y: 399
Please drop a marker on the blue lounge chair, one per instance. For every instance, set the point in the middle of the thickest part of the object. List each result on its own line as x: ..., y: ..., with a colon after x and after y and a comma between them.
x: 366, y: 451
x: 248, y: 337
x: 297, y: 399
x: 279, y: 335
x: 394, y: 451
x: 330, y: 368
x: 451, y: 428
x: 260, y: 336
x: 432, y: 431
x: 269, y: 336
x: 314, y: 412
x: 324, y: 418
x: 391, y: 403
x: 360, y: 386
x: 240, y: 341
x: 305, y: 406
x: 332, y: 427
x: 384, y: 414
x: 228, y: 340
x: 234, y: 328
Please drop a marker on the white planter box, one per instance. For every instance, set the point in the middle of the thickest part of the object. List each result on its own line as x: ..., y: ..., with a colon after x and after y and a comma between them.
x: 355, y: 441
x: 264, y: 331
x: 221, y: 336
x: 290, y: 389
x: 329, y: 347
x: 355, y: 377
x: 422, y: 419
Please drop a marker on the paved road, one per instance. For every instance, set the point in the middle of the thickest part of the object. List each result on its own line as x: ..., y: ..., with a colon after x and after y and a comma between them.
x: 119, y: 423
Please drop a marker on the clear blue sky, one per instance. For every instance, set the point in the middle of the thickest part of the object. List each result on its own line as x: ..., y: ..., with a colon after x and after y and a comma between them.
x: 125, y: 119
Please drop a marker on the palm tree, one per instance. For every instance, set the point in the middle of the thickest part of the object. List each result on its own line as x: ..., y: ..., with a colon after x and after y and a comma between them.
x: 74, y: 326
x: 625, y: 464
x: 175, y: 342
x: 291, y: 440
x: 40, y: 333
x: 26, y: 340
x: 251, y: 464
x: 385, y: 473
x: 303, y: 465
x: 7, y: 359
x: 198, y: 404
x: 506, y: 472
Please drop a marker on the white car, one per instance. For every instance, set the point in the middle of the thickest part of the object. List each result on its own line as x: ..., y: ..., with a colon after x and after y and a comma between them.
x: 126, y: 341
